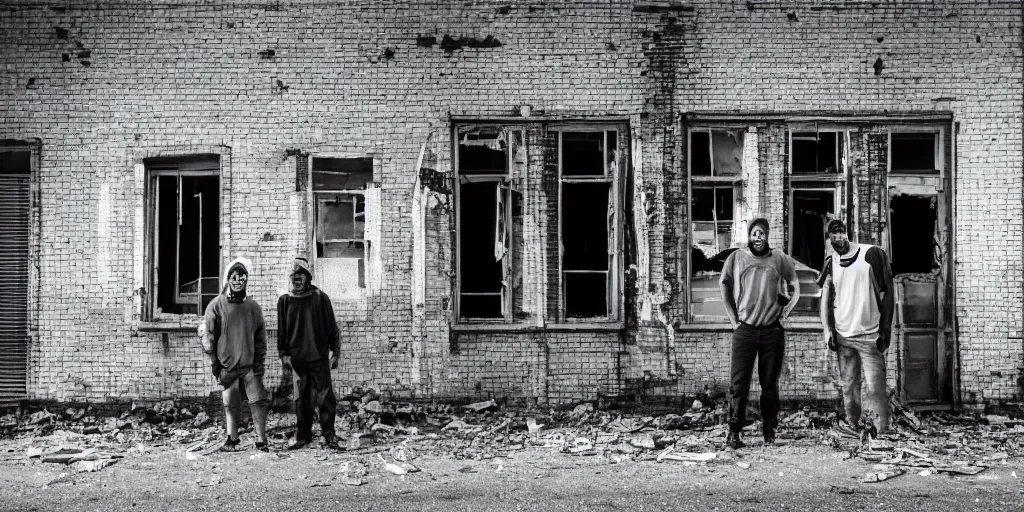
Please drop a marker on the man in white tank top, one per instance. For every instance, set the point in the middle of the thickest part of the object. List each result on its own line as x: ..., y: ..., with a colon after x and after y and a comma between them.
x: 856, y: 310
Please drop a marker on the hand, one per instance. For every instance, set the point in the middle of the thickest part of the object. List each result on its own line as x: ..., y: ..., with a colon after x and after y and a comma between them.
x: 830, y: 340
x: 884, y: 338
x: 286, y: 361
x: 216, y: 367
x: 334, y: 360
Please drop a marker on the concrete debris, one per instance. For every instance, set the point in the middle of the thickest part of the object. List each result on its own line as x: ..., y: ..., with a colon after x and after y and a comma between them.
x: 369, y: 423
x: 882, y: 474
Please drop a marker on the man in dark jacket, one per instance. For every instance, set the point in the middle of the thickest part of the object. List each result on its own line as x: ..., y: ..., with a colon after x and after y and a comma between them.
x: 307, y: 341
x: 233, y: 337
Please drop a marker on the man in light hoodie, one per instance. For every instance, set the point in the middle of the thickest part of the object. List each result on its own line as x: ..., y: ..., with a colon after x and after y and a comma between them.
x: 234, y: 338
x: 307, y: 341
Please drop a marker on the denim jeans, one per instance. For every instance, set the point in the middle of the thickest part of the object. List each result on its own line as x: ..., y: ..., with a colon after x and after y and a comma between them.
x: 767, y: 345
x: 860, y: 362
x: 313, y: 391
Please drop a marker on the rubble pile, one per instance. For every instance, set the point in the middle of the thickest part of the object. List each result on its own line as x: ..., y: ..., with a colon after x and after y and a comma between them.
x: 387, y: 435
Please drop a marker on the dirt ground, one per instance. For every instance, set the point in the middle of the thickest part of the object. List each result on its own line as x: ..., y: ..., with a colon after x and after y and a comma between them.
x: 483, y: 457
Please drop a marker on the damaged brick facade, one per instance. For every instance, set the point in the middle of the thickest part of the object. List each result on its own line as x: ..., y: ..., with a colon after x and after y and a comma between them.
x: 103, y: 88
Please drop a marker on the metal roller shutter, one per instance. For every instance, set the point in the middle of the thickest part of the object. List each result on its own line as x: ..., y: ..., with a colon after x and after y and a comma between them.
x: 14, y: 233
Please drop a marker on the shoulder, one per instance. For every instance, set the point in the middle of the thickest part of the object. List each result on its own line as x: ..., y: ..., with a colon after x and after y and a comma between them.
x: 253, y: 305
x: 875, y: 253
x: 826, y: 270
x: 215, y: 305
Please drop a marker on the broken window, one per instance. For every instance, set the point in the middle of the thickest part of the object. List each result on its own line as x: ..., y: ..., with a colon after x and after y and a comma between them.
x: 716, y: 167
x: 588, y: 233
x: 912, y: 234
x: 810, y: 210
x: 816, y: 152
x: 484, y: 212
x: 914, y: 153
x: 185, y: 237
x: 342, y: 247
x: 716, y: 152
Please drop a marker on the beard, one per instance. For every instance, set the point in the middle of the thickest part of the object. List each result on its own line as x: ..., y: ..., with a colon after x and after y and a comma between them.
x: 758, y: 252
x: 841, y: 247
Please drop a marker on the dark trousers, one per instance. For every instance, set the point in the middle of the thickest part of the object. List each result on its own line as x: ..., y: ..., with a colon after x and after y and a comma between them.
x: 766, y: 345
x: 313, y: 390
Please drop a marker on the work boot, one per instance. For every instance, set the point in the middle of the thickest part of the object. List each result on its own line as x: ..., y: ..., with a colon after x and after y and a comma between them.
x: 733, y: 441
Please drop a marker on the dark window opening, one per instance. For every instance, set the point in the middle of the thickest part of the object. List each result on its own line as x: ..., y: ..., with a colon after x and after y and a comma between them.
x: 481, y: 287
x: 913, y: 153
x: 912, y: 234
x: 584, y: 154
x: 187, y: 232
x: 483, y: 153
x: 700, y: 154
x: 15, y: 161
x: 815, y: 152
x: 811, y: 211
x: 586, y: 260
x: 341, y: 173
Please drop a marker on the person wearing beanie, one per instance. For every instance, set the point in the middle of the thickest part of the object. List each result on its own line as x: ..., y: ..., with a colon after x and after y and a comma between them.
x: 234, y: 337
x: 307, y: 341
x: 755, y: 284
x: 856, y: 309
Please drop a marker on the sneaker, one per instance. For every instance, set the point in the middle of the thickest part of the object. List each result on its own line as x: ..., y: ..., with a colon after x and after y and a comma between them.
x: 295, y: 443
x: 769, y: 436
x: 262, y: 446
x: 231, y: 445
x: 844, y: 428
x: 733, y: 441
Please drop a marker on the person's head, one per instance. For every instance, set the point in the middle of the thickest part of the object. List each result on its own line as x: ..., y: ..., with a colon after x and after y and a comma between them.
x: 757, y: 234
x: 236, y: 278
x: 838, y: 237
x: 300, y: 276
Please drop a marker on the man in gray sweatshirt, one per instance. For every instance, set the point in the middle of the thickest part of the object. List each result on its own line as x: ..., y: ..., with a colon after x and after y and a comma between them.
x: 234, y: 338
x: 307, y: 340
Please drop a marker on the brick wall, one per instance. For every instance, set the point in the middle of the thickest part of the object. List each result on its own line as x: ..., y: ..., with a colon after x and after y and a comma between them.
x: 107, y: 83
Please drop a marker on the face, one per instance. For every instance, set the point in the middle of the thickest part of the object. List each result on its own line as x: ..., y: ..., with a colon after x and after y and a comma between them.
x: 237, y: 281
x: 299, y: 281
x: 840, y: 242
x: 758, y: 238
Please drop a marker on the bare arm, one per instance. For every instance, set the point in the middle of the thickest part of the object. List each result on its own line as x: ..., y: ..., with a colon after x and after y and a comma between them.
x: 725, y: 286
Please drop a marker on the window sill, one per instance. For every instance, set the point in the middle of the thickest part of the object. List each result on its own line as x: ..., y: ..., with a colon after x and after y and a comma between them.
x: 551, y: 327
x: 799, y: 324
x: 180, y: 325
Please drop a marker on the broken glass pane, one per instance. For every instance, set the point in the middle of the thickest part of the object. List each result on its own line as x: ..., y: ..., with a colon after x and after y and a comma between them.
x: 483, y: 152
x: 727, y: 151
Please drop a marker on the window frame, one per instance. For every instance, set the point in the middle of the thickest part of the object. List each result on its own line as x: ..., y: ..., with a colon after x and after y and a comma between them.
x: 504, y: 182
x: 704, y: 182
x: 314, y: 209
x: 615, y: 265
x: 180, y: 167
x: 938, y: 147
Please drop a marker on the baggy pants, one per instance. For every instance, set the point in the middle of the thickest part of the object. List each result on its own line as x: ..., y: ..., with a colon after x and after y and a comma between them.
x: 767, y: 345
